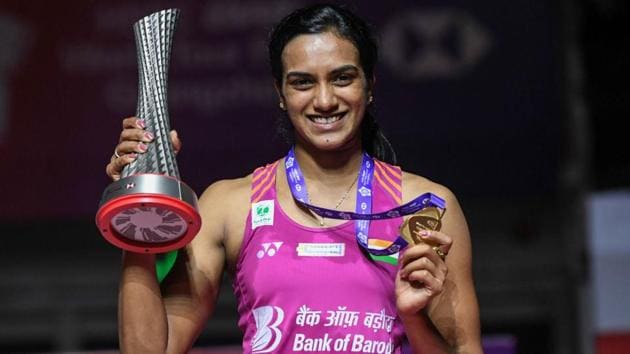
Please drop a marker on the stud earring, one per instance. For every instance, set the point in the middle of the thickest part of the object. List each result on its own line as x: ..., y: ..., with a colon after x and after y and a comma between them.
x: 282, y: 106
x: 370, y: 99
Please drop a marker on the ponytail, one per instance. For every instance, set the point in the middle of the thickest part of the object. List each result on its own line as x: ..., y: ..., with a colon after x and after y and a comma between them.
x: 375, y: 142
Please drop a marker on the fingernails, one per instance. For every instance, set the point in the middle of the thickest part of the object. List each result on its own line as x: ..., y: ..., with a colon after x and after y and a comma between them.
x: 425, y: 233
x: 140, y: 123
x: 142, y: 147
x: 133, y: 155
x: 148, y: 136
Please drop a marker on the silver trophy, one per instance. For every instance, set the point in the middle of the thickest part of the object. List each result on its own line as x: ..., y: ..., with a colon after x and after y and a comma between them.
x: 149, y: 210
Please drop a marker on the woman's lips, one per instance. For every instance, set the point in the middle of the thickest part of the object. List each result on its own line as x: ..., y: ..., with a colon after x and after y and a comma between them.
x: 327, y: 119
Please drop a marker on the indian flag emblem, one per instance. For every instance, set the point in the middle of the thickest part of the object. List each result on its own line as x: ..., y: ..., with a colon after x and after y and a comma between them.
x: 377, y: 244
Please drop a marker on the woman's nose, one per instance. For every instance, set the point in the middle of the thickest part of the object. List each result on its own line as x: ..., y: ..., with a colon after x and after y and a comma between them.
x: 325, y: 99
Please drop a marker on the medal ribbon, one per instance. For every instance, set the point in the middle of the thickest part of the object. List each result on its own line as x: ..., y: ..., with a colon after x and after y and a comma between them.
x: 363, y: 214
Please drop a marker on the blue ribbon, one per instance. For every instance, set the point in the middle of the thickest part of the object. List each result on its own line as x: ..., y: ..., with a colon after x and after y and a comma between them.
x: 363, y: 210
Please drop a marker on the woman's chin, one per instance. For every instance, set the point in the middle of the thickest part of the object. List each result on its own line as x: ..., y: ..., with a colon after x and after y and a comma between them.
x: 333, y: 143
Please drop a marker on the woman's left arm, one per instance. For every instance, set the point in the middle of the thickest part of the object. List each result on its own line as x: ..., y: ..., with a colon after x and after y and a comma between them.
x: 436, y: 297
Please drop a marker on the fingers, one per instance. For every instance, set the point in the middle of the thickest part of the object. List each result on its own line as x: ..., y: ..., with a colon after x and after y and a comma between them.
x: 133, y: 138
x: 432, y: 284
x: 133, y: 122
x: 422, y: 257
x: 177, y: 144
x: 422, y: 266
x: 130, y: 147
x: 115, y: 166
x: 135, y: 134
x: 422, y: 263
x: 436, y: 238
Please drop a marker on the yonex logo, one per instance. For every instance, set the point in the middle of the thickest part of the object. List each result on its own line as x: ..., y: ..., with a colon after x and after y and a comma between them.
x: 269, y: 249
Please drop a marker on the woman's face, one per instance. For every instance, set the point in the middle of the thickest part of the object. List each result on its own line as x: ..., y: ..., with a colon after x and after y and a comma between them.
x: 324, y: 90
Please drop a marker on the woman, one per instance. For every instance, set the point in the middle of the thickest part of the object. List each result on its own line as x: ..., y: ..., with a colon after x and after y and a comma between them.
x: 303, y: 282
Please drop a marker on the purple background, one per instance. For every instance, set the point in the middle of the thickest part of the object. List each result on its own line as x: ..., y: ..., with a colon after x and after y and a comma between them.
x: 74, y: 78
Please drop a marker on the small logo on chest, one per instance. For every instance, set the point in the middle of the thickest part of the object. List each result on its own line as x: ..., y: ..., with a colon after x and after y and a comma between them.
x: 262, y: 213
x: 321, y: 249
x: 268, y: 249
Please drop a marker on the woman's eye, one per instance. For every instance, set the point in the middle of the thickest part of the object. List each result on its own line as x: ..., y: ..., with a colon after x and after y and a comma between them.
x: 343, y: 80
x: 301, y: 83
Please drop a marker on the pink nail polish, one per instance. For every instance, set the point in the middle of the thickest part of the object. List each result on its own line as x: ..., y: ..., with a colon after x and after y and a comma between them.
x: 148, y: 136
x: 142, y: 147
x: 424, y: 233
x: 141, y: 123
x: 133, y: 155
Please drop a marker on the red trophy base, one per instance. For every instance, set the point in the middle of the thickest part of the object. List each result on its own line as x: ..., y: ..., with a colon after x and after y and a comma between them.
x: 148, y: 213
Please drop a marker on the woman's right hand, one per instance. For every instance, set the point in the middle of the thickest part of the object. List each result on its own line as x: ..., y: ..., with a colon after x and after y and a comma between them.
x: 133, y: 141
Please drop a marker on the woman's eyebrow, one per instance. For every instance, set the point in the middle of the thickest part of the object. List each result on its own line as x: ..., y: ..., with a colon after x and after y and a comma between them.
x: 348, y: 67
x: 297, y: 73
x: 343, y: 68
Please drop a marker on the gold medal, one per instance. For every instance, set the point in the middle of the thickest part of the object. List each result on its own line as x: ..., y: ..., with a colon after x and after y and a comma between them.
x: 429, y: 218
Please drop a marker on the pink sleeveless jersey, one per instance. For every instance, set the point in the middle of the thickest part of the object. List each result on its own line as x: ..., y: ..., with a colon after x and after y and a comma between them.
x: 304, y: 289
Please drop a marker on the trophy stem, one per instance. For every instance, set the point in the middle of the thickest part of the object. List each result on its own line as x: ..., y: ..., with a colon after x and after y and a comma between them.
x: 154, y: 38
x: 149, y: 210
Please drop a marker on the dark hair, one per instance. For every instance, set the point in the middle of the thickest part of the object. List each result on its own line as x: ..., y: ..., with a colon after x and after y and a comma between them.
x: 334, y: 18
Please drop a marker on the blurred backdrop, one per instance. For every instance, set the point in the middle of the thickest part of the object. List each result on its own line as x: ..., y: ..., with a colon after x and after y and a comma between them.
x: 515, y: 105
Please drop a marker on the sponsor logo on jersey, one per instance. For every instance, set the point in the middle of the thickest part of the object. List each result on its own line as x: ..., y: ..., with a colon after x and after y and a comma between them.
x: 262, y: 213
x: 268, y: 249
x: 267, y: 336
x: 321, y: 249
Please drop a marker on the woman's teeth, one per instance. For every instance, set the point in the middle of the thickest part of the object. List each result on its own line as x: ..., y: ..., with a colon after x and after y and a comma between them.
x: 326, y: 120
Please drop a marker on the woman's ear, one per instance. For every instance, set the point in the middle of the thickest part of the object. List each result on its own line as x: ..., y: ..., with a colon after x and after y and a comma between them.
x: 370, y: 89
x: 371, y: 82
x: 280, y: 96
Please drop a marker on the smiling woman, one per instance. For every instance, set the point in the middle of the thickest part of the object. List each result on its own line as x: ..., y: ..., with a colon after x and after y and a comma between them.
x: 309, y: 274
x: 324, y: 91
x: 345, y: 26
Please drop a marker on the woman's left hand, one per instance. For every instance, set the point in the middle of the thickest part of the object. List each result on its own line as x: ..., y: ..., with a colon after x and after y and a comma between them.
x: 422, y: 272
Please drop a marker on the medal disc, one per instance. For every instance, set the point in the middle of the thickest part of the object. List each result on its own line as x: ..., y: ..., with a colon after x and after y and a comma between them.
x: 429, y: 218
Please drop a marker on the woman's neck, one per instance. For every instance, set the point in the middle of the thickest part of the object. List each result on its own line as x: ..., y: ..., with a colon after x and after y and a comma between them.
x: 329, y: 167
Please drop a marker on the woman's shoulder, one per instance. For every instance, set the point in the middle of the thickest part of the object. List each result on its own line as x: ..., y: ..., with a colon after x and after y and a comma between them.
x: 235, y: 191
x: 228, y: 191
x: 238, y: 187
x: 454, y: 221
x: 414, y: 185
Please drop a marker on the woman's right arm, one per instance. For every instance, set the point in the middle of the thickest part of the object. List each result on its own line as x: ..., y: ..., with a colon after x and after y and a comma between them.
x: 168, y: 318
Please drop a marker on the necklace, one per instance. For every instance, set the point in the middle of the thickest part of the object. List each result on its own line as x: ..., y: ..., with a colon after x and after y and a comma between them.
x: 343, y: 198
x: 363, y: 209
